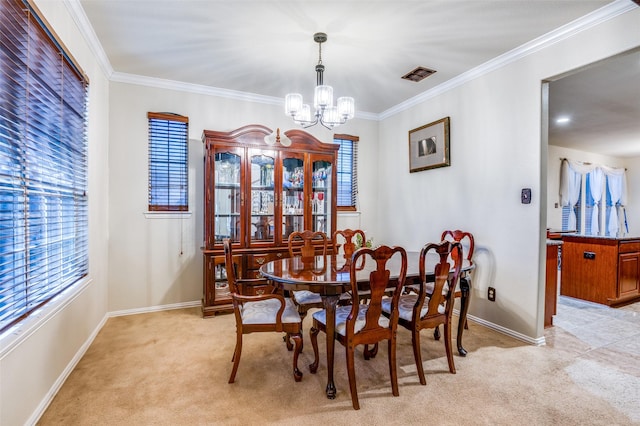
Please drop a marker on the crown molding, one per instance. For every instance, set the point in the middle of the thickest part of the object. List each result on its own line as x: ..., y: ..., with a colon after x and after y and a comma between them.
x: 596, y: 17
x: 86, y: 29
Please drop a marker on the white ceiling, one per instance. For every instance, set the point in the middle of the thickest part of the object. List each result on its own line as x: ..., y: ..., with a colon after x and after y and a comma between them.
x: 264, y: 49
x: 603, y: 103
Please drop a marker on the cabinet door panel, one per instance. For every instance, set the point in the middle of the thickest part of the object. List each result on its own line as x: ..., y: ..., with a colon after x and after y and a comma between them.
x: 628, y: 278
x: 322, y: 195
x: 262, y: 197
x: 227, y: 194
x: 293, y: 196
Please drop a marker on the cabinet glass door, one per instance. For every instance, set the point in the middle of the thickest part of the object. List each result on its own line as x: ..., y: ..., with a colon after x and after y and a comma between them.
x: 227, y: 193
x: 292, y: 202
x: 262, y: 202
x: 321, y: 196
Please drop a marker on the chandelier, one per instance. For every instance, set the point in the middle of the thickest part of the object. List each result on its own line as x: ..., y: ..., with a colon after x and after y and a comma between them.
x: 326, y: 113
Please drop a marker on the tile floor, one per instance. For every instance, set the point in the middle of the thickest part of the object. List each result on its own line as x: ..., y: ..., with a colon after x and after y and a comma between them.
x: 598, y: 325
x: 605, y: 346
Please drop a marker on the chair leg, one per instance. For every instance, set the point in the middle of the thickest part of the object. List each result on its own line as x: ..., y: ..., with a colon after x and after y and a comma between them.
x: 313, y: 334
x: 393, y: 372
x: 287, y: 341
x: 351, y: 370
x: 236, y: 357
x: 417, y: 355
x: 297, y: 339
x: 465, y: 286
x: 447, y: 346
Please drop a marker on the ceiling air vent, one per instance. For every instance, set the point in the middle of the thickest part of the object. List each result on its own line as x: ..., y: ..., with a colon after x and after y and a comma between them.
x: 418, y: 74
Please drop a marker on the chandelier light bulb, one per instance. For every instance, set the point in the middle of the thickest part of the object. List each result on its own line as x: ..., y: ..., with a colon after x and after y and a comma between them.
x: 323, y: 97
x: 346, y: 107
x: 304, y: 114
x: 292, y: 104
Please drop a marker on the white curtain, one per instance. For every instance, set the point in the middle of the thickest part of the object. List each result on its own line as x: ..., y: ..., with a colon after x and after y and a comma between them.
x: 570, y: 181
x: 571, y: 191
x: 570, y: 184
x: 618, y: 192
x: 596, y: 180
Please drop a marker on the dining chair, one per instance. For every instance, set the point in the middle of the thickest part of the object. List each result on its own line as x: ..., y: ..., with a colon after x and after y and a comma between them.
x: 430, y: 307
x: 301, y: 243
x: 464, y: 286
x: 363, y: 324
x: 343, y: 241
x: 268, y: 312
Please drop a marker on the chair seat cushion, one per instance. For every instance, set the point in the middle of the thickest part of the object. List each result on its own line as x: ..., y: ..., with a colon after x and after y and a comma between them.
x: 406, y: 304
x: 265, y: 311
x: 342, y: 312
x: 306, y: 297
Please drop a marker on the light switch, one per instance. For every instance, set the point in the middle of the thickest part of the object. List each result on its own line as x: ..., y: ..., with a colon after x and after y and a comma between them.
x: 525, y: 196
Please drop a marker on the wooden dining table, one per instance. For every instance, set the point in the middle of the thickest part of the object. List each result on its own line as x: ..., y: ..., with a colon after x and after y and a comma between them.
x: 329, y: 276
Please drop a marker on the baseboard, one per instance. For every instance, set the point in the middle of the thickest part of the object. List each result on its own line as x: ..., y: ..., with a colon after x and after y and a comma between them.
x: 540, y: 341
x: 157, y: 308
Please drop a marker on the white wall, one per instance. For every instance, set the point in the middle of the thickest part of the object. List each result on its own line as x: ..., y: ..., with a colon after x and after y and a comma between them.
x: 556, y: 153
x: 496, y: 151
x: 633, y: 199
x: 157, y: 262
x: 36, y: 358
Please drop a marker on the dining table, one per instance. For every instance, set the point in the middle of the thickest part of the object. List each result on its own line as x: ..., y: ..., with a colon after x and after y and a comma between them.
x: 329, y: 276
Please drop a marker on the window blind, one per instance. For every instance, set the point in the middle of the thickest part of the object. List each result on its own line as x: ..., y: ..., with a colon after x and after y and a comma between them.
x: 347, y: 171
x: 43, y: 164
x: 168, y: 162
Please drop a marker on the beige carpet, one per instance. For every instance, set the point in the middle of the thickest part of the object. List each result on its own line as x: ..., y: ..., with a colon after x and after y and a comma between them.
x: 172, y: 367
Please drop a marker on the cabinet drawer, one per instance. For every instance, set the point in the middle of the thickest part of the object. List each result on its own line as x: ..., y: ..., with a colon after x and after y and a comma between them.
x: 629, y: 246
x: 255, y: 261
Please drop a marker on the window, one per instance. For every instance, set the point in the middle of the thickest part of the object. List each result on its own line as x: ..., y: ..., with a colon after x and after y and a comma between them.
x: 43, y: 165
x: 584, y: 209
x: 168, y: 162
x: 347, y: 172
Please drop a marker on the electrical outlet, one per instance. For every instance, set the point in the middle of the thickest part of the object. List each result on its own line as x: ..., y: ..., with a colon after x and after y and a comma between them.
x: 491, y: 294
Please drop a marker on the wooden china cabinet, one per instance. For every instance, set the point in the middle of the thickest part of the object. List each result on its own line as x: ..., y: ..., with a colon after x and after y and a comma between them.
x: 257, y: 194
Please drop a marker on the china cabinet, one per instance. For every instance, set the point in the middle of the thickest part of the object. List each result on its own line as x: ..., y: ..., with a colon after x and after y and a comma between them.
x: 256, y: 194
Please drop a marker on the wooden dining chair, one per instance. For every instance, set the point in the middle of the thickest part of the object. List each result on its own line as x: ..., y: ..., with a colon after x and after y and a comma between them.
x: 269, y: 312
x: 343, y: 241
x: 464, y: 288
x: 364, y: 324
x: 419, y: 311
x: 301, y: 243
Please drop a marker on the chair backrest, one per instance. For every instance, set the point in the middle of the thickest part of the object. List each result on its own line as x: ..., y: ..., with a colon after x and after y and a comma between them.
x: 229, y: 266
x: 445, y: 280
x: 462, y: 237
x: 345, y: 239
x: 307, y: 250
x: 379, y: 282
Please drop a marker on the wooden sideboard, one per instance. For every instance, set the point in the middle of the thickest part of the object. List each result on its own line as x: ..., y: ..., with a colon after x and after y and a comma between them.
x: 603, y: 270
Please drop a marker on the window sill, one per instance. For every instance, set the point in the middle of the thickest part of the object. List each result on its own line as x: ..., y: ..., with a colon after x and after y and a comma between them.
x: 348, y: 213
x: 167, y: 215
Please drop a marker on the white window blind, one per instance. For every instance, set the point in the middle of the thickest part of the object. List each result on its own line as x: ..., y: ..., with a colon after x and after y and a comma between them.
x: 347, y: 171
x: 43, y: 165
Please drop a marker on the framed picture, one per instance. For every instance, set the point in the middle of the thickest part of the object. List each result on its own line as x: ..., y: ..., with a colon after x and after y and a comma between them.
x: 429, y: 146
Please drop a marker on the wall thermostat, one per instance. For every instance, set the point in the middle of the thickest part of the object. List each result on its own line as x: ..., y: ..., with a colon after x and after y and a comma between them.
x: 525, y: 196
